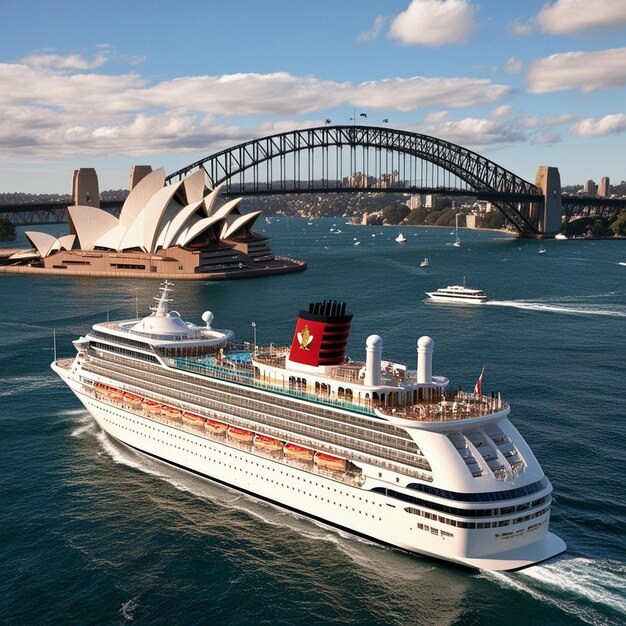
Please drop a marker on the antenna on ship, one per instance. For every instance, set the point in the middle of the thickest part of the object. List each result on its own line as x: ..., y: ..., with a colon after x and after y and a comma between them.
x: 160, y: 310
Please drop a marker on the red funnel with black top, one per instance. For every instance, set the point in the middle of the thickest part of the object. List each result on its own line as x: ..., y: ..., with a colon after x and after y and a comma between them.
x: 321, y: 334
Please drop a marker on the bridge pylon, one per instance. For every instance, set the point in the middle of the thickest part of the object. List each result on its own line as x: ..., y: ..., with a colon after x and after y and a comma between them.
x: 548, y: 180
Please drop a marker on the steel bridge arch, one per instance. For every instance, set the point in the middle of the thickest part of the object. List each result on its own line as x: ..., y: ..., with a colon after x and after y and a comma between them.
x: 480, y: 173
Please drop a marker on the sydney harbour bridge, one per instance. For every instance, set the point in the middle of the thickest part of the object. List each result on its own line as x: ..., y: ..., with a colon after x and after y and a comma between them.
x: 355, y: 158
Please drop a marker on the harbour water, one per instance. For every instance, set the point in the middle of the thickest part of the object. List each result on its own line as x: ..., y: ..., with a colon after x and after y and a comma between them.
x: 92, y: 533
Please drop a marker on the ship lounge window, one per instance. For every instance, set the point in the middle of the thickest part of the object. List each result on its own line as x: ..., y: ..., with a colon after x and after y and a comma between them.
x: 492, y: 496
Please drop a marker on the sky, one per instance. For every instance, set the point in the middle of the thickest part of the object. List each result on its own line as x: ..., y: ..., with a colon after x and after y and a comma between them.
x: 123, y: 82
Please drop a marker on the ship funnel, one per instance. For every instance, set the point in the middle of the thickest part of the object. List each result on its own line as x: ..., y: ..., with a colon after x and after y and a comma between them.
x: 321, y: 334
x: 373, y: 358
x: 425, y: 346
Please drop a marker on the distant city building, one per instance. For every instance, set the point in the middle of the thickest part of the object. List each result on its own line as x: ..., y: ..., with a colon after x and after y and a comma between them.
x: 604, y: 188
x: 415, y: 202
x: 589, y: 188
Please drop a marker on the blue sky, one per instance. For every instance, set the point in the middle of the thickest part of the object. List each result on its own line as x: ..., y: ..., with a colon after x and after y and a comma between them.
x: 111, y: 84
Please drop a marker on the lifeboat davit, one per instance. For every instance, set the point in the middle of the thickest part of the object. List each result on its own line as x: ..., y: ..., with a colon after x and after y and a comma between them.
x: 239, y: 434
x: 267, y: 443
x: 330, y: 462
x: 215, y: 427
x: 298, y: 452
x: 193, y: 420
x: 171, y: 412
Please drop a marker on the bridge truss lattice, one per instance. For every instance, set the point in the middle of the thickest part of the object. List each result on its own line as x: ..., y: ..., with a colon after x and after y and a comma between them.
x: 366, y: 158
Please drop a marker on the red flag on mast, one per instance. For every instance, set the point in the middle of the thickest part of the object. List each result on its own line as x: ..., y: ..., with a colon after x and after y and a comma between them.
x: 478, y: 387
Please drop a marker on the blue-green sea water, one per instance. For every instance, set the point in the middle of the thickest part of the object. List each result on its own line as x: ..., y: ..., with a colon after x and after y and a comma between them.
x: 92, y: 533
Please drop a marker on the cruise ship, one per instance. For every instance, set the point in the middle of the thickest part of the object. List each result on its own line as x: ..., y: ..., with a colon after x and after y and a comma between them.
x: 458, y: 293
x: 372, y: 447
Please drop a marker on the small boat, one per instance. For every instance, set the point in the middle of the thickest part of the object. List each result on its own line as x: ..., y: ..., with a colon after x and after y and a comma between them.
x: 400, y: 238
x: 424, y: 263
x: 560, y: 236
x: 150, y: 406
x: 240, y: 434
x: 132, y: 399
x: 458, y: 293
x: 215, y: 427
x: 267, y: 443
x: 330, y: 462
x: 621, y: 263
x: 115, y: 394
x: 191, y: 419
x: 293, y: 451
x: 457, y: 241
x: 170, y: 411
x: 542, y: 250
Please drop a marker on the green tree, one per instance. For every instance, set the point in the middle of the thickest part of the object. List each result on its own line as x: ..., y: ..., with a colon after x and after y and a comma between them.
x: 395, y: 213
x: 619, y: 225
x: 7, y: 230
x: 599, y: 228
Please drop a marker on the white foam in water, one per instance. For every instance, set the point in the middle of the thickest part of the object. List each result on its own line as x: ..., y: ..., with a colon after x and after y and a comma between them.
x: 127, y: 609
x: 564, y: 582
x: 556, y: 308
x: 85, y: 424
x: 21, y: 385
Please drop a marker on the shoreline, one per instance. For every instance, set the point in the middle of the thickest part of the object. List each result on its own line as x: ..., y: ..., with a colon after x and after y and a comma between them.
x: 283, y: 265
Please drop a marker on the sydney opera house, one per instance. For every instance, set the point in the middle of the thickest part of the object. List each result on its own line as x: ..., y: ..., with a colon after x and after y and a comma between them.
x: 182, y: 230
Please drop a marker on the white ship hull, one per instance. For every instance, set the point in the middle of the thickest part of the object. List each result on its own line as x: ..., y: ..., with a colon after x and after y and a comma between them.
x: 355, y: 509
x: 463, y: 299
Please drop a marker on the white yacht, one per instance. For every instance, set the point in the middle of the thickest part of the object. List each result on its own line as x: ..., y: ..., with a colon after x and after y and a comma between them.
x: 424, y: 263
x: 400, y: 238
x: 560, y: 236
x: 372, y: 447
x: 458, y: 293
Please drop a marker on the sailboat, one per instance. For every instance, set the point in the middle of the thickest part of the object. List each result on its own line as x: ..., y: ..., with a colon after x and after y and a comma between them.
x: 400, y: 238
x: 457, y: 241
x: 424, y: 263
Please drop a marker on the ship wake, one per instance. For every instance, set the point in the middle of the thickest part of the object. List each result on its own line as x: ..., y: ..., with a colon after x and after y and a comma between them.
x: 564, y: 582
x: 559, y: 307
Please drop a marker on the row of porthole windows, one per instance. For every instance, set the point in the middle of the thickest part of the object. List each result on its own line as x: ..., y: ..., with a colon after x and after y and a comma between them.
x: 341, y: 493
x: 473, y: 525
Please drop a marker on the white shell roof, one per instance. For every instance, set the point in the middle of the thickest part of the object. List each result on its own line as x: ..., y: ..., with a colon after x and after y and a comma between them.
x: 154, y: 216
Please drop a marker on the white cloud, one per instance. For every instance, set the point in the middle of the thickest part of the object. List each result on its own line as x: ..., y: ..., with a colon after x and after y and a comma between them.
x: 513, y: 65
x: 502, y: 111
x: 374, y: 31
x: 477, y: 133
x: 565, y: 17
x: 436, y: 117
x: 522, y: 28
x: 405, y: 94
x: 48, y: 112
x: 607, y: 125
x: 586, y: 71
x: 547, y: 138
x: 435, y: 23
x: 69, y: 62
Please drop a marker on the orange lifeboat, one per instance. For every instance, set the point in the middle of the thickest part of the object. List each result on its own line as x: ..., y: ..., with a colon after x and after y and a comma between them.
x: 267, y: 443
x: 171, y: 412
x: 330, y: 462
x: 298, y: 452
x: 114, y: 393
x: 132, y: 399
x: 239, y: 434
x: 215, y: 427
x: 193, y: 420
x: 151, y: 406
